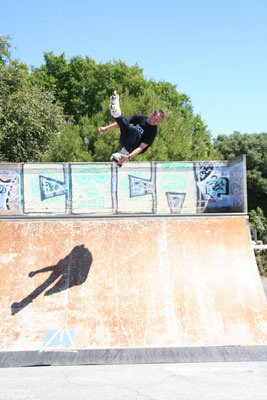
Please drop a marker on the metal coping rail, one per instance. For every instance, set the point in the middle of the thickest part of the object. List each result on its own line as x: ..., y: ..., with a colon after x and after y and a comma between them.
x: 117, y: 216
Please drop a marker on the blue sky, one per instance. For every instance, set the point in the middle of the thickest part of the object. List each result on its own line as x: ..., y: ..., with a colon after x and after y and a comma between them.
x: 214, y: 51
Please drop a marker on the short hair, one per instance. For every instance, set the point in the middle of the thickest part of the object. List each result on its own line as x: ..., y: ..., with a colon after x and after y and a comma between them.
x: 159, y: 112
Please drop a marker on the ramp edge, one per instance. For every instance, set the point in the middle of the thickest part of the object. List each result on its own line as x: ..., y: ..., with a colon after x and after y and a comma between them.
x: 204, y: 354
x: 92, y: 217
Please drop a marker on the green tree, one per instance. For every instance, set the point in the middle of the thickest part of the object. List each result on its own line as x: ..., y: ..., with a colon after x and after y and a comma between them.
x: 172, y: 142
x: 178, y: 138
x: 177, y: 101
x: 255, y: 148
x: 83, y: 87
x: 81, y: 84
x: 201, y: 147
x: 28, y: 117
x: 259, y: 222
x: 67, y: 145
x: 5, y: 45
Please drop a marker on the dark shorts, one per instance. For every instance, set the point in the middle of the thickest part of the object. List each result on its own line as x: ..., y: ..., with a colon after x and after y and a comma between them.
x: 130, y: 137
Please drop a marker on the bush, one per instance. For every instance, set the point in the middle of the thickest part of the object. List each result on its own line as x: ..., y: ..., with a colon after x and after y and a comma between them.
x: 258, y: 221
x: 261, y: 258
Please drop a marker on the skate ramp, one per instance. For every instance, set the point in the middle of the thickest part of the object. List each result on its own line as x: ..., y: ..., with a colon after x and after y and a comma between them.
x: 129, y: 290
x: 94, y: 189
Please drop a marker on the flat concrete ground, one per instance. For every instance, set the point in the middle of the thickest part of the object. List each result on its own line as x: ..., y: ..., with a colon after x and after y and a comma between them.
x: 198, y: 381
x: 209, y: 381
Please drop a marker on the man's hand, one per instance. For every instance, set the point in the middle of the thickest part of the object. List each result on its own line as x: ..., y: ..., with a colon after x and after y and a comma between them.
x: 110, y: 127
x: 101, y: 130
x: 123, y: 159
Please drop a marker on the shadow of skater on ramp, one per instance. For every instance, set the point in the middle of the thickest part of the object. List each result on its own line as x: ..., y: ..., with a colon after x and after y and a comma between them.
x: 72, y: 271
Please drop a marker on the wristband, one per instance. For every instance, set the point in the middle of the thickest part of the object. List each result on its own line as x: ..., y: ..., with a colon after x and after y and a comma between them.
x: 129, y: 157
x: 106, y: 128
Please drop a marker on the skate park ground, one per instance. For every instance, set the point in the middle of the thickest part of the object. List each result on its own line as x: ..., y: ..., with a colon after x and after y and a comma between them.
x: 202, y: 381
x: 206, y: 279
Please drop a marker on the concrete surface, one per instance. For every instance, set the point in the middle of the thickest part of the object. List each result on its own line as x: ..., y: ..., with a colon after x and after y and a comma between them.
x: 198, y: 381
x: 211, y: 381
x: 203, y: 381
x: 129, y: 283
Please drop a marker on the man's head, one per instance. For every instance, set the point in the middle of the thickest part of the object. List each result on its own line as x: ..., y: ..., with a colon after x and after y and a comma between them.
x: 156, y: 117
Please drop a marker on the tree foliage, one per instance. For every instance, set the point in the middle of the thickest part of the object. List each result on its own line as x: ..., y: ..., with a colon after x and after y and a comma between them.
x: 29, y: 118
x: 5, y: 45
x: 255, y: 148
x: 259, y: 222
x: 83, y: 87
x: 176, y: 140
x: 81, y: 84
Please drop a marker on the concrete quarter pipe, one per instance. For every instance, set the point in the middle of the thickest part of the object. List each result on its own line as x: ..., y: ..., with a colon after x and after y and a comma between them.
x: 117, y: 290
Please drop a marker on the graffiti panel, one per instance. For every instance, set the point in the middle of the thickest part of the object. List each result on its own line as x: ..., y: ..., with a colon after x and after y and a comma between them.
x: 217, y: 186
x: 92, y: 188
x: 175, y: 201
x: 137, y: 192
x: 220, y: 187
x: 10, y: 189
x: 236, y: 178
x: 176, y: 185
x: 46, y: 188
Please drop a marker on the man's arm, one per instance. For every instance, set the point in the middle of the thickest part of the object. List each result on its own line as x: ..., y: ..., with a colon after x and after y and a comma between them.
x: 138, y: 150
x: 134, y: 153
x: 110, y: 127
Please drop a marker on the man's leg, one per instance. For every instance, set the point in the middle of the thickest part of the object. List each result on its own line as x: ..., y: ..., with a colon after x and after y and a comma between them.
x: 114, y: 106
x: 130, y: 137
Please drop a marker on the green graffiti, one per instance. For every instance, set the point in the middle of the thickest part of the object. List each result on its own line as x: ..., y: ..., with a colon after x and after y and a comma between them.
x: 85, y: 175
x: 124, y: 184
x: 98, y: 202
x: 173, y: 183
x: 139, y: 198
x: 91, y: 190
x: 175, y: 165
x: 35, y: 189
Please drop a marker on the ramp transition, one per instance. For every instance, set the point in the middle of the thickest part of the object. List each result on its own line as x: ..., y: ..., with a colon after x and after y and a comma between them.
x: 128, y: 290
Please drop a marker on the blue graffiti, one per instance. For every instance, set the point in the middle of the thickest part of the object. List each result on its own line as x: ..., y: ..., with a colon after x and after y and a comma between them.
x: 217, y: 186
x: 51, y: 187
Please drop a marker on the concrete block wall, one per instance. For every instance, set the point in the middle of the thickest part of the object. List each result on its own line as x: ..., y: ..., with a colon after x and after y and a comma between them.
x: 138, y: 187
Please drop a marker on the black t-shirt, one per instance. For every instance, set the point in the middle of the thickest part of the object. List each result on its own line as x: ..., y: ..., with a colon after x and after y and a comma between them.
x: 148, y: 132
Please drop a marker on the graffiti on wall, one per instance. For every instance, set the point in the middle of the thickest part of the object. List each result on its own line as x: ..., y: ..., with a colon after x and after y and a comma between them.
x: 142, y: 187
x: 5, y: 189
x: 102, y: 188
x: 219, y: 185
x: 10, y: 189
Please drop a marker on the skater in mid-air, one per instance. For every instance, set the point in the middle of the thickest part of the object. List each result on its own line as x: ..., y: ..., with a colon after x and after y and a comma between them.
x: 136, y: 138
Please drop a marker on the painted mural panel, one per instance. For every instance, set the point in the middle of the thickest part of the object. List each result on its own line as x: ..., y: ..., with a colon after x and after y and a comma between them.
x: 237, y: 183
x: 46, y: 188
x: 176, y: 188
x: 10, y: 189
x: 91, y: 188
x: 219, y: 186
x: 136, y: 188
